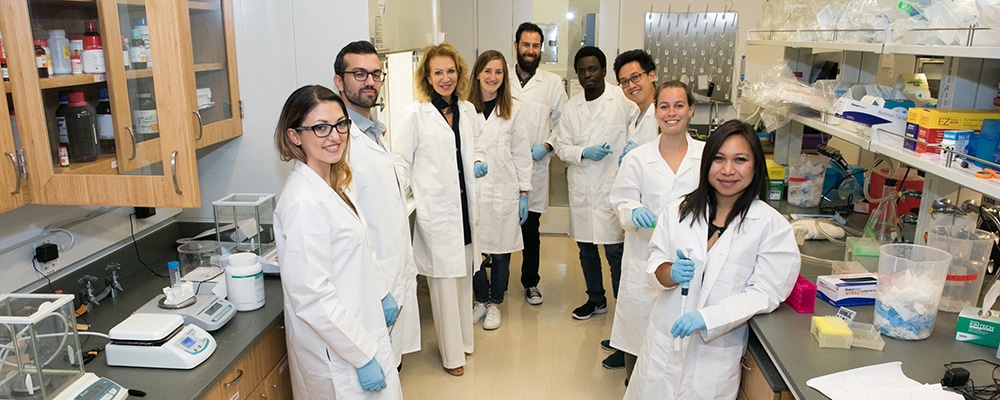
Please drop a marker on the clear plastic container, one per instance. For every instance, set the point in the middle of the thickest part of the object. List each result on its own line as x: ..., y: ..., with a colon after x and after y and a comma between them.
x: 970, y: 250
x: 805, y: 180
x: 911, y: 279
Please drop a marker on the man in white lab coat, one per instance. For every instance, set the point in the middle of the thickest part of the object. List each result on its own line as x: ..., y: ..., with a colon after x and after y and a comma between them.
x: 542, y: 95
x: 592, y: 132
x: 359, y: 78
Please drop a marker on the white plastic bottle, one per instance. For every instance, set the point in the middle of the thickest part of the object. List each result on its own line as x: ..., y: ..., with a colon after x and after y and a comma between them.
x: 245, y: 282
x: 59, y: 49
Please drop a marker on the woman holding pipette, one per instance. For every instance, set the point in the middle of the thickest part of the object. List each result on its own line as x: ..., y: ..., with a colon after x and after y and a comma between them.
x: 743, y: 262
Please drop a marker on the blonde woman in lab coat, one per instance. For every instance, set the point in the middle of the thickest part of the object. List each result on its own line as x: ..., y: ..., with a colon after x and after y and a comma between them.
x: 338, y: 343
x: 651, y: 176
x: 436, y: 159
x: 503, y: 194
x: 743, y: 261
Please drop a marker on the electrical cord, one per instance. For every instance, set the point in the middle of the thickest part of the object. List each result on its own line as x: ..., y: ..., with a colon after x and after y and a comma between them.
x: 34, y: 264
x: 131, y: 230
x: 845, y: 209
x: 969, y: 390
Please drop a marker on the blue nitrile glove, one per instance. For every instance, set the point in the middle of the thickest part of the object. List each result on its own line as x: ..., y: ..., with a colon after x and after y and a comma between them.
x: 371, y: 376
x: 522, y: 209
x: 688, y: 323
x: 643, y: 218
x: 538, y: 151
x: 390, y: 309
x: 628, y: 147
x: 480, y: 169
x: 596, y: 153
x: 683, y: 268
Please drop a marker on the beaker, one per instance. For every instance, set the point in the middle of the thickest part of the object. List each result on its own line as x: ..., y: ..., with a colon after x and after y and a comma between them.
x: 805, y: 180
x: 970, y: 250
x: 199, y: 253
x: 910, y: 281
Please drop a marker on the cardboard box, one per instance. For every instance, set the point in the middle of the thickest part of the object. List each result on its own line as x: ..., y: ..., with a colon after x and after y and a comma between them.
x: 932, y: 122
x: 775, y: 180
x: 848, y: 289
x: 973, y: 328
x: 870, y: 114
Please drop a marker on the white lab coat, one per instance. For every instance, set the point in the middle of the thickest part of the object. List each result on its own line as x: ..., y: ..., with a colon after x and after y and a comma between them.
x: 607, y: 118
x: 333, y: 316
x: 381, y: 202
x: 645, y: 128
x: 644, y: 180
x: 542, y: 98
x: 423, y: 148
x: 508, y: 157
x: 750, y: 270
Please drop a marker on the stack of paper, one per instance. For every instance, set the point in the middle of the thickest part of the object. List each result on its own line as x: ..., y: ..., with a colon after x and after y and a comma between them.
x: 881, y: 381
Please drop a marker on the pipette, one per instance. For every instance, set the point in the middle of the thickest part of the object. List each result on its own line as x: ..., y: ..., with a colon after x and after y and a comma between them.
x: 684, y: 298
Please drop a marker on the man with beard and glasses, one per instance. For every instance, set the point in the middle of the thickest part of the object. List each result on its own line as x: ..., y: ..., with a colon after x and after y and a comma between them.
x: 358, y: 78
x: 542, y: 95
x: 593, y: 130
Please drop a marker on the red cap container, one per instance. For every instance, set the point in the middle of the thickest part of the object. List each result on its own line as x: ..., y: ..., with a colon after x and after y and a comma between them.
x: 77, y: 99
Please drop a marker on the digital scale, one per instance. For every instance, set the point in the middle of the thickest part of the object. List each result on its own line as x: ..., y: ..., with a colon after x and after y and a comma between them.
x: 91, y: 387
x: 156, y: 340
x: 206, y: 311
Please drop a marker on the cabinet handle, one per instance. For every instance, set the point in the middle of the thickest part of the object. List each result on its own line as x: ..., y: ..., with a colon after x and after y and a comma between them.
x: 17, y: 175
x: 239, y: 377
x: 201, y: 125
x: 131, y: 134
x: 276, y: 391
x: 173, y: 174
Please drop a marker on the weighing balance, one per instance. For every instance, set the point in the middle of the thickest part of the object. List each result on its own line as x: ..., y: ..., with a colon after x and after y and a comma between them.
x: 209, y: 312
x: 154, y: 340
x: 92, y: 387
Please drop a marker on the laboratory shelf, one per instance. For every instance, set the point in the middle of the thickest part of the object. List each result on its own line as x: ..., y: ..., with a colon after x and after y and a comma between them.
x: 845, y: 130
x: 962, y: 176
x: 944, y: 51
x: 760, y: 38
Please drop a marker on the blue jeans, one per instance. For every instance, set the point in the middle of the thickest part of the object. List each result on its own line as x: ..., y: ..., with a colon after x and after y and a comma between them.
x: 492, y: 290
x: 590, y: 260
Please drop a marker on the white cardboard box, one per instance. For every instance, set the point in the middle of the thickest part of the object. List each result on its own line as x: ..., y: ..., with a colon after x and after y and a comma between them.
x: 847, y: 289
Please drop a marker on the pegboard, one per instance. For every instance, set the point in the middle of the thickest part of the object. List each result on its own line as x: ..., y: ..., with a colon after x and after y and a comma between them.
x: 695, y: 48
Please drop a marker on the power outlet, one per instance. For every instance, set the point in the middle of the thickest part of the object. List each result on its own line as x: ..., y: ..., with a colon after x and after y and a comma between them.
x: 47, y: 268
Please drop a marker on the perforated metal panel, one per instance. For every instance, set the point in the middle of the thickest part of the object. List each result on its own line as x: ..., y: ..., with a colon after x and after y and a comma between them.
x: 695, y: 48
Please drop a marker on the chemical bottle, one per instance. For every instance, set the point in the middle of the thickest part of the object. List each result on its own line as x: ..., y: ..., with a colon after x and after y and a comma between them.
x: 105, y: 125
x: 3, y: 61
x: 59, y: 136
x: 80, y: 127
x: 137, y: 52
x: 883, y: 224
x: 174, y: 268
x: 140, y: 24
x: 144, y: 116
x: 245, y: 282
x: 126, y: 53
x: 93, y: 50
x: 59, y: 49
x: 41, y: 59
x: 75, y: 63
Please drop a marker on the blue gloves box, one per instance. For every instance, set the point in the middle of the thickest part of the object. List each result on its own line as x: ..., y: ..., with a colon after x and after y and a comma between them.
x: 847, y: 289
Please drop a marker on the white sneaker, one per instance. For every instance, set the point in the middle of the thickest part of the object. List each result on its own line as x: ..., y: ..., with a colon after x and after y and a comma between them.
x: 492, y: 320
x: 478, y: 312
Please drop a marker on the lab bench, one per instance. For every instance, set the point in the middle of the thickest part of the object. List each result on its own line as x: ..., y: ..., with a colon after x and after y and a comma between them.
x: 236, y: 340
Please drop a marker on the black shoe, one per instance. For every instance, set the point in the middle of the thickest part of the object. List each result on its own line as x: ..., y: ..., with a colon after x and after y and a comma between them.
x: 615, y: 361
x: 606, y: 345
x: 590, y: 308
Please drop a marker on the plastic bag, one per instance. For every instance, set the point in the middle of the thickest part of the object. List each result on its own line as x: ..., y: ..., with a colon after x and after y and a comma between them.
x: 777, y: 91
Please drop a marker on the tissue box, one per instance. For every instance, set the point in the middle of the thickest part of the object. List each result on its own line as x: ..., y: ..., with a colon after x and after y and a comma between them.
x: 803, y: 296
x: 975, y: 329
x: 847, y: 290
x: 871, y: 114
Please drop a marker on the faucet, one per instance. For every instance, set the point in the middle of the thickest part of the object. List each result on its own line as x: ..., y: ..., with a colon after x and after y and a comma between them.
x: 88, y: 291
x: 111, y: 281
x: 944, y: 206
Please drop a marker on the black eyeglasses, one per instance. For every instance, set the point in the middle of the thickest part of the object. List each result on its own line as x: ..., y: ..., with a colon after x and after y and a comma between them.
x: 634, y: 78
x: 362, y: 75
x: 324, y: 130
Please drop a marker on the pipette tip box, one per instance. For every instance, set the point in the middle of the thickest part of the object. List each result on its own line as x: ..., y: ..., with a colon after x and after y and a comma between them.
x: 974, y: 328
x: 831, y: 332
x: 848, y: 289
x: 803, y: 296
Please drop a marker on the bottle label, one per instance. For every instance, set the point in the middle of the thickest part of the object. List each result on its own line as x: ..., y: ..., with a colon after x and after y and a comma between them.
x: 145, y: 122
x: 138, y: 54
x: 93, y: 61
x: 63, y: 133
x: 105, y: 127
x: 63, y: 156
x: 41, y: 61
x: 76, y: 66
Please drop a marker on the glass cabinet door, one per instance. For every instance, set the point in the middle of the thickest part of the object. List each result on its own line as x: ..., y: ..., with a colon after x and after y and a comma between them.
x: 214, y: 57
x: 82, y: 148
x: 11, y: 179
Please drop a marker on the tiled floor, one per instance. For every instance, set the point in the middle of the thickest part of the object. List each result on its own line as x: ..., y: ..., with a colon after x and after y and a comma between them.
x: 539, y: 352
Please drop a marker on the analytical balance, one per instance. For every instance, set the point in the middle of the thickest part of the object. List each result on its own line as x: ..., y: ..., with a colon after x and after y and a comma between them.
x: 158, y: 341
x: 92, y: 387
x: 209, y: 312
x: 39, y: 345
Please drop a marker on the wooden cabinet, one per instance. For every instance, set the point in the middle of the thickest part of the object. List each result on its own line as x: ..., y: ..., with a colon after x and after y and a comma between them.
x: 262, y: 371
x: 753, y: 384
x: 157, y: 118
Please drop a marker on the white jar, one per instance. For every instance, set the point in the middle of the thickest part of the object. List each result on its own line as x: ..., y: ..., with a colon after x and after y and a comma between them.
x: 59, y: 48
x: 93, y: 61
x: 245, y: 282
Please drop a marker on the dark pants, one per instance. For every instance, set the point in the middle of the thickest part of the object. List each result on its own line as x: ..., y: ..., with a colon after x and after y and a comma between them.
x: 491, y: 290
x: 590, y: 260
x: 529, y: 256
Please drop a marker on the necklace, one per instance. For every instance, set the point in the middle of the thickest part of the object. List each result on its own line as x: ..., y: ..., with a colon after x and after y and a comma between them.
x: 445, y: 111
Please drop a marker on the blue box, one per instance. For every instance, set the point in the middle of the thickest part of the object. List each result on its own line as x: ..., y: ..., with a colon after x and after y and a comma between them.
x: 988, y: 142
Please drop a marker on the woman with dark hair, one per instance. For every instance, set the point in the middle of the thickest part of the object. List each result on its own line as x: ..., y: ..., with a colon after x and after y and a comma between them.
x: 436, y: 159
x: 503, y: 194
x: 739, y: 257
x: 338, y: 343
